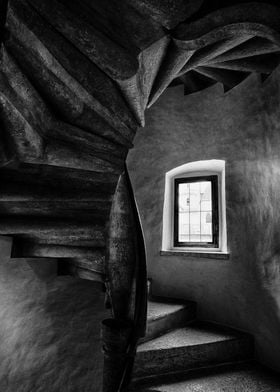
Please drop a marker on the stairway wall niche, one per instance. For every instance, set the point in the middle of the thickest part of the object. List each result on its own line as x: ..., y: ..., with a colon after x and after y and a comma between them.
x: 50, y: 327
x: 243, y: 128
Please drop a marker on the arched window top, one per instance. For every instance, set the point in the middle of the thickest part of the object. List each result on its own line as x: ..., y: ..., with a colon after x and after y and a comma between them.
x: 212, y: 165
x: 194, y: 214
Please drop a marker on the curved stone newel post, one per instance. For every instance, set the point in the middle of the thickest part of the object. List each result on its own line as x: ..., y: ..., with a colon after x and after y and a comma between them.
x: 126, y: 283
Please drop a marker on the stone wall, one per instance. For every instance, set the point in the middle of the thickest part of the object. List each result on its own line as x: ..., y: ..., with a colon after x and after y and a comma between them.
x: 49, y: 329
x: 243, y: 128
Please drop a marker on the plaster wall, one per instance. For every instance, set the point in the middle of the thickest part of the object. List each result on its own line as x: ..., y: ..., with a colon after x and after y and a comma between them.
x: 243, y: 128
x: 49, y: 329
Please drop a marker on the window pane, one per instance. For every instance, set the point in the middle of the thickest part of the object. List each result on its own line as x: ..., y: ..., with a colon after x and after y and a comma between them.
x: 206, y: 226
x: 195, y: 226
x: 184, y: 197
x: 206, y: 196
x: 194, y: 196
x: 195, y: 212
x: 184, y: 226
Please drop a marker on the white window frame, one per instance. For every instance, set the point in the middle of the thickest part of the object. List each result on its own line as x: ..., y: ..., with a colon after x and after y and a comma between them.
x: 194, y: 169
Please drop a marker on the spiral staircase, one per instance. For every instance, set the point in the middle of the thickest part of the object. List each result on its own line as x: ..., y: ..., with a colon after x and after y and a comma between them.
x: 181, y: 353
x: 75, y: 82
x: 76, y: 78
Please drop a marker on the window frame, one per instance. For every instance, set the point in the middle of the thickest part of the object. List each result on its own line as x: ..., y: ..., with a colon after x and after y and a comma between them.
x: 215, y: 212
x: 194, y: 169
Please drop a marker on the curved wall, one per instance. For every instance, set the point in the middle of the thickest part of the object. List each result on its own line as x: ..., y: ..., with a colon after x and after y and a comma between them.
x: 243, y: 128
x: 50, y: 328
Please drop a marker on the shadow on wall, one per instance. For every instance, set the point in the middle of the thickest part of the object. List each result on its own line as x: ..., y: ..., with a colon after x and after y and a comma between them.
x: 49, y: 330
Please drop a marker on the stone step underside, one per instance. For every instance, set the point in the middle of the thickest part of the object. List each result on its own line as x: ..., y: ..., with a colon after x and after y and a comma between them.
x: 54, y: 232
x: 54, y: 177
x: 91, y: 256
x: 55, y: 209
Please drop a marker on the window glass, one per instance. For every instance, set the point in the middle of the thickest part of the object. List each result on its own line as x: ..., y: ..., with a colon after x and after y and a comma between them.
x: 194, y: 210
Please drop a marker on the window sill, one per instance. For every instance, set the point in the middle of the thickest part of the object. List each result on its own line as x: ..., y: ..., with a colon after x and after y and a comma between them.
x: 199, y: 254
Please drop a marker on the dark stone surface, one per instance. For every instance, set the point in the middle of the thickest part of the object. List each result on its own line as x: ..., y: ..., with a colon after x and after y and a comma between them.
x: 168, y: 13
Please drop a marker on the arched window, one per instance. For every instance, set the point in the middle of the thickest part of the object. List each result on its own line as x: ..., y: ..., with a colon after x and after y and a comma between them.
x: 194, y: 216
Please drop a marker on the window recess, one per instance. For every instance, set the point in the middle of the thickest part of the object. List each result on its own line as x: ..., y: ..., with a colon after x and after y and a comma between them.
x: 196, y: 212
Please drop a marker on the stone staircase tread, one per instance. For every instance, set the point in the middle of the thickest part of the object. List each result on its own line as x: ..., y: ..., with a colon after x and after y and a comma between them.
x: 247, y: 377
x: 158, y: 309
x: 192, y: 335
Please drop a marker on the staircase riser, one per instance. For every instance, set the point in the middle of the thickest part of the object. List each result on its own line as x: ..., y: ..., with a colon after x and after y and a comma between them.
x: 161, y: 325
x: 159, y: 362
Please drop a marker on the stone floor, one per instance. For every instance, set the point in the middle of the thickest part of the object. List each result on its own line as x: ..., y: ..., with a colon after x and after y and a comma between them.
x: 234, y: 378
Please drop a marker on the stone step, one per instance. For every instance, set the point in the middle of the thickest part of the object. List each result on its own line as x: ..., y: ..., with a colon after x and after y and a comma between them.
x: 164, y: 315
x: 249, y: 377
x: 198, y: 345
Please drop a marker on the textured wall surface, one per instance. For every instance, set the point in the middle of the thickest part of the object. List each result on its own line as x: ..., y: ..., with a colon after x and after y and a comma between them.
x: 242, y: 127
x: 49, y: 330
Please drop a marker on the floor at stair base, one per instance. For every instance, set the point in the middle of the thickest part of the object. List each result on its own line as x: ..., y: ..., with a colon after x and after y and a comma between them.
x: 249, y: 377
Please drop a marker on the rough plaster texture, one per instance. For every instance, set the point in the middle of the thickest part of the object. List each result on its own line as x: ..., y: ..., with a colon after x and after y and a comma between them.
x: 242, y: 127
x: 49, y: 330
